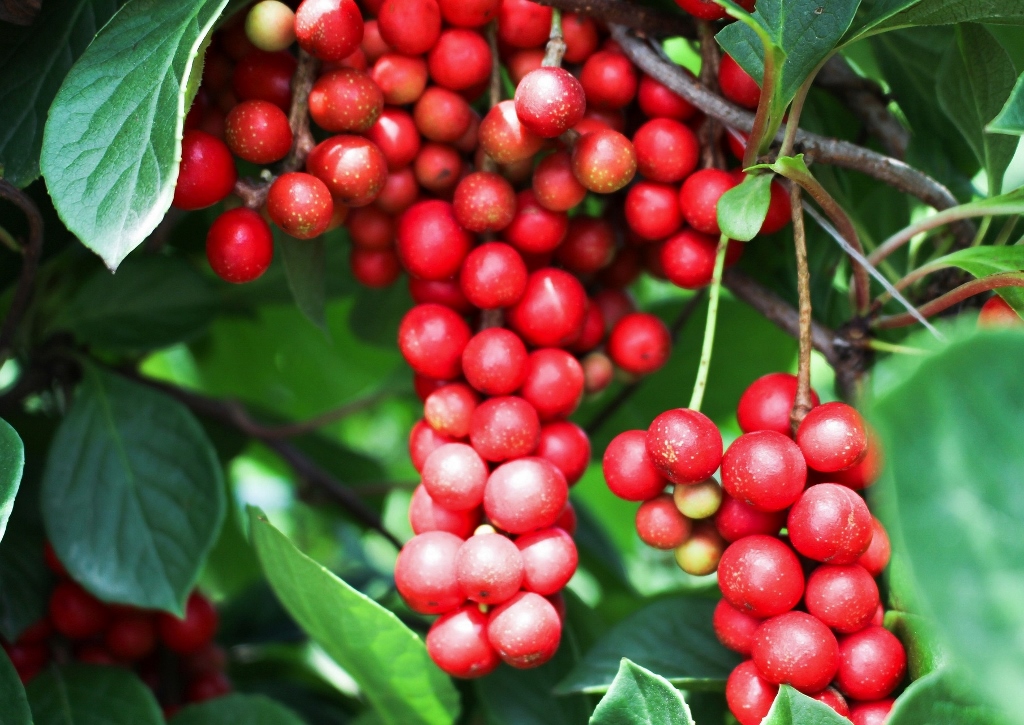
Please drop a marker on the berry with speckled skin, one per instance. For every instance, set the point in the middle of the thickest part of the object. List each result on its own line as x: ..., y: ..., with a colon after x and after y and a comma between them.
x: 270, y: 25
x: 437, y: 168
x: 442, y: 115
x: 396, y: 136
x: 761, y: 576
x: 469, y: 13
x: 457, y: 643
x: 830, y: 523
x: 549, y: 101
x: 567, y: 446
x: 554, y: 185
x: 410, y: 26
x: 425, y: 515
x: 872, y: 662
x: 207, y: 171
x: 666, y: 150
x: 525, y: 630
x: 609, y: 80
x: 504, y: 428
x: 659, y: 523
x: 425, y: 573
x: 843, y: 597
x: 549, y: 560
x: 603, y: 161
x: 484, y: 202
x: 640, y: 343
x: 430, y: 241
x: 684, y: 445
x: 700, y: 554
x: 767, y: 402
x: 504, y: 138
x: 329, y: 29
x: 876, y: 558
x: 454, y: 476
x: 652, y: 210
x: 424, y: 440
x: 736, y: 519
x: 239, y: 245
x: 401, y: 78
x: 460, y: 60
x: 489, y: 568
x: 830, y: 696
x: 657, y: 101
x: 525, y: 495
x: 494, y: 361
x: 352, y: 167
x: 552, y: 309
x: 449, y: 408
x: 628, y: 469
x: 493, y: 276
x: 263, y: 76
x: 345, y: 100
x: 832, y: 437
x: 748, y: 694
x: 699, y: 195
x: 871, y: 713
x: 735, y: 629
x: 534, y: 229
x: 798, y: 650
x: 258, y: 132
x: 300, y: 204
x: 553, y: 383
x: 698, y: 500
x: 431, y: 338
x: 764, y: 469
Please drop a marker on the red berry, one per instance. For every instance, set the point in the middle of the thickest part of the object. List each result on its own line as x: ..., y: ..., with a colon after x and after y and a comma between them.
x: 609, y: 80
x: 399, y: 192
x: 615, y: 304
x: 830, y: 523
x: 52, y: 562
x: 534, y: 229
x: 396, y: 136
x: 484, y: 202
x: 372, y: 45
x: 553, y: 384
x: 208, y: 686
x: 239, y: 245
x: 666, y: 150
x: 353, y: 168
x: 258, y: 131
x: 374, y: 268
x: 329, y: 29
x: 764, y: 469
x: 710, y: 10
x: 345, y: 100
x: 866, y: 472
x: 551, y: 311
x: 401, y: 78
x: 567, y: 446
x: 767, y: 402
x: 504, y: 428
x: 270, y: 25
x: 736, y: 85
x: 454, y: 476
x: 525, y: 495
x: 493, y: 276
x: 370, y: 228
x: 735, y: 629
x: 438, y: 168
x: 195, y: 631
x: 76, y: 613
x: 504, y: 138
x: 410, y: 26
x: 549, y: 101
x: 628, y: 469
x: 207, y: 172
x: 876, y: 558
x: 871, y: 713
x: 523, y: 24
x: 748, y: 694
x: 604, y: 161
x: 457, y: 642
x: 996, y: 312
x: 424, y: 386
x: 489, y: 568
x: 430, y: 241
x: 657, y: 101
x: 263, y: 76
x: 300, y: 205
x: 833, y: 437
x: 597, y: 372
x: 736, y: 519
x: 28, y: 659
x: 699, y: 195
x: 843, y: 597
x: 796, y: 649
x: 36, y: 633
x: 640, y: 343
x: 425, y: 515
x: 652, y: 210
x: 761, y: 576
x: 872, y: 663
x: 494, y: 361
x: 525, y: 630
x: 700, y: 554
x: 131, y: 637
x: 659, y: 523
x: 684, y: 445
x: 554, y: 185
x: 779, y: 211
x: 442, y: 115
x: 831, y: 697
x: 580, y: 34
x: 593, y: 331
x: 460, y: 60
x: 424, y: 440
x: 549, y: 560
x: 425, y: 573
x: 688, y: 258
x: 432, y: 338
x: 469, y: 13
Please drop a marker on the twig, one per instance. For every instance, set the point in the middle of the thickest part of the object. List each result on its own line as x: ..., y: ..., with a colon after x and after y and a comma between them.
x: 710, y: 131
x: 31, y: 252
x: 645, y: 19
x: 555, y: 49
x: 244, y: 422
x: 802, y: 403
x: 953, y: 297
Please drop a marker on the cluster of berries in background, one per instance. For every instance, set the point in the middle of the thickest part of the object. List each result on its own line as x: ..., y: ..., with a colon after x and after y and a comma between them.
x: 81, y: 628
x: 796, y: 549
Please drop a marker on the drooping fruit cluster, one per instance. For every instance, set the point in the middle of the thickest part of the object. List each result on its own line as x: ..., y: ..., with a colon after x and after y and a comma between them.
x: 803, y: 605
x: 80, y: 627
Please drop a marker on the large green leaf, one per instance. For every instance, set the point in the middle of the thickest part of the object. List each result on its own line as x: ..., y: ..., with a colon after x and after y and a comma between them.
x: 305, y: 265
x: 942, y: 698
x: 13, y: 702
x: 795, y: 708
x: 672, y: 637
x: 742, y: 209
x: 386, y: 658
x: 151, y: 302
x: 92, y: 695
x: 236, y: 710
x: 133, y: 495
x: 113, y: 138
x: 975, y: 79
x: 952, y: 496
x: 12, y: 463
x: 982, y: 261
x: 640, y: 697
x: 952, y: 12
x: 33, y: 63
x: 925, y: 653
x: 873, y: 13
x: 1010, y: 118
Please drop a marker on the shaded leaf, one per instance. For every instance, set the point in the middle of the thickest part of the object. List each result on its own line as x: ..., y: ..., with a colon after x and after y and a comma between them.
x: 872, y: 13
x: 942, y: 698
x: 742, y: 209
x: 377, y: 313
x: 925, y: 653
x: 795, y: 708
x: 640, y: 697
x: 92, y: 695
x: 235, y: 710
x: 12, y: 463
x: 982, y: 261
x: 953, y: 12
x: 13, y: 701
x: 1010, y: 118
x: 305, y: 266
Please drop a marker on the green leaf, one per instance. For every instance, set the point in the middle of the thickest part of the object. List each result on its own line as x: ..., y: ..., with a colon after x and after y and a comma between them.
x: 112, y: 142
x: 13, y: 701
x: 974, y: 81
x: 742, y: 209
x: 33, y: 62
x: 1010, y: 119
x: 236, y: 710
x: 151, y: 302
x: 133, y: 496
x: 954, y: 12
x: 305, y: 265
x: 25, y: 581
x: 925, y: 653
x: 981, y: 261
x: 92, y: 695
x: 377, y: 313
x: 951, y: 494
x: 872, y: 13
x: 386, y: 658
x: 942, y: 698
x: 672, y: 637
x: 795, y: 708
x: 640, y: 697
x: 12, y: 463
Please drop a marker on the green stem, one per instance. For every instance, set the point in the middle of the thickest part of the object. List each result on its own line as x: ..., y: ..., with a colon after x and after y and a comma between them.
x: 793, y: 123
x: 1004, y: 233
x: 555, y: 50
x: 883, y: 346
x: 758, y: 133
x: 709, y: 329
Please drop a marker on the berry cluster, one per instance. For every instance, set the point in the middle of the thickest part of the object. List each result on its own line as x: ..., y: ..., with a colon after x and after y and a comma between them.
x: 803, y: 605
x: 81, y: 628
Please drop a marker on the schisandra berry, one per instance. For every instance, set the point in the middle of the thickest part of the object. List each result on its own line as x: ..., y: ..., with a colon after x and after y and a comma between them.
x: 76, y: 613
x: 666, y: 150
x: 554, y: 184
x: 263, y: 76
x: 207, y: 171
x: 764, y: 469
x: 192, y: 633
x: 410, y: 26
x: 864, y: 473
x: 438, y: 168
x: 597, y: 372
x: 871, y: 713
x: 345, y: 100
x: 660, y: 525
x: 761, y: 576
x: 239, y: 245
x: 736, y: 84
x: 872, y: 662
x: 736, y: 519
x: 430, y: 241
x: 425, y: 515
x: 687, y: 259
x: 604, y: 161
x: 779, y: 213
x: 424, y: 440
x: 710, y: 10
x: 996, y: 312
x: 549, y: 101
x: 401, y: 78
x: 374, y: 268
x: 833, y: 437
x: 589, y: 246
x: 525, y: 495
x: 300, y: 205
x: 396, y: 136
x: 449, y: 409
x: 549, y: 560
x: 455, y: 476
x: 495, y: 361
x: 567, y: 446
x: 270, y: 25
x: 701, y: 554
x: 876, y: 558
x: 830, y: 523
x: 553, y: 383
x: 698, y: 500
x: 843, y: 597
x: 609, y: 80
x: 699, y: 195
x: 657, y: 101
x: 640, y: 343
x: 748, y: 694
x: 534, y: 229
x: 442, y: 115
x: 329, y: 29
x: 457, y: 643
x: 523, y: 24
x: 593, y: 331
x: 684, y: 445
x: 493, y: 275
x: 525, y: 630
x: 431, y: 338
x: 552, y: 309
x: 131, y: 637
x: 489, y: 568
x: 484, y: 202
x: 258, y: 132
x: 469, y: 13
x: 352, y: 167
x: 460, y: 60
x: 652, y: 210
x: 767, y: 403
x: 425, y: 573
x: 798, y: 650
x: 504, y: 428
x: 628, y: 469
x: 735, y: 629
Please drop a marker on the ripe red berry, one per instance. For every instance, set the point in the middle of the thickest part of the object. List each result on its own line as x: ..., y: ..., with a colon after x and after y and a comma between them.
x: 872, y: 662
x: 401, y: 78
x: 833, y: 437
x: 438, y: 168
x: 424, y: 440
x: 593, y: 331
x: 442, y: 115
x: 736, y: 85
x: 52, y: 562
x: 748, y: 694
x: 628, y: 469
x: 353, y: 168
x: 460, y: 60
x: 370, y: 228
x: 430, y: 241
x: 489, y: 568
x: 396, y: 136
x: 410, y: 26
x: 263, y: 76
x: 871, y: 713
x: 640, y: 343
x: 239, y: 245
x: 688, y: 258
x: 551, y: 311
x: 469, y: 13
x: 764, y: 469
x: 207, y: 686
x: 345, y: 100
x: 666, y: 150
x: 484, y: 202
x: 734, y: 629
x: 652, y: 210
x: 996, y: 312
x: 525, y: 630
x: 534, y: 229
x: 609, y: 79
x: 300, y: 205
x: 425, y: 573
x: 195, y: 631
x: 329, y: 29
x: 767, y: 402
x: 588, y: 247
x: 843, y: 597
x: 493, y: 276
x: 864, y: 473
x: 761, y: 576
x: 425, y: 515
x: 457, y: 643
x: 504, y: 428
x: 710, y: 10
x: 523, y: 24
x: 779, y: 211
x: 449, y: 408
x: 432, y: 338
x: 581, y: 38
x: 659, y: 523
x: 28, y: 659
x: 830, y: 523
x: 615, y: 304
x: 76, y: 613
x: 798, y: 650
x: 494, y: 361
x: 597, y: 372
x: 684, y: 445
x: 131, y: 637
x: 549, y: 560
x: 525, y: 495
x: 550, y: 101
x: 567, y: 446
x: 603, y: 161
x: 207, y: 171
x: 657, y: 101
x: 504, y: 138
x: 553, y: 384
x: 876, y: 558
x: 736, y: 519
x: 830, y: 696
x: 699, y: 195
x: 399, y: 193
x: 454, y: 476
x: 554, y: 185
x: 258, y: 131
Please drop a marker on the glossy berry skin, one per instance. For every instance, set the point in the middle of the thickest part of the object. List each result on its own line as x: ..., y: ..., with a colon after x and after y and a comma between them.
x: 494, y: 361
x: 657, y: 101
x: 493, y: 276
x: 401, y: 78
x: 640, y: 343
x: 76, y: 613
x: 581, y: 37
x: 553, y: 384
x: 863, y: 473
x: 525, y: 495
x: 843, y: 597
x: 449, y: 409
x: 876, y: 558
x: 239, y: 245
x: 411, y: 27
x: 329, y: 29
x: 300, y: 205
x: 567, y: 446
x: 534, y: 229
x: 764, y: 469
x: 761, y: 576
x: 489, y: 568
x: 195, y: 631
x: 457, y: 643
x: 688, y: 258
x: 699, y: 195
x: 698, y: 500
x: 552, y: 309
x: 443, y: 291
x: 353, y: 168
x: 871, y: 713
x: 207, y: 171
x: 549, y: 560
x: 425, y: 573
x: 523, y: 24
x: 430, y: 241
x: 258, y: 132
x: 597, y: 372
x: 796, y: 649
x: 370, y: 228
x: 589, y: 246
x: 996, y: 312
x: 710, y: 10
x: 400, y: 192
x: 424, y: 440
x: 701, y: 553
x: 748, y: 694
x: 735, y: 520
x: 131, y: 637
x: 666, y: 150
x: 484, y: 202
x: 684, y: 445
x: 460, y: 60
x: 396, y: 137
x: 736, y: 85
x: 432, y: 338
x: 652, y: 210
x: 830, y: 696
x: 604, y: 161
x: 609, y: 80
x: 872, y: 662
x: 549, y: 101
x: 525, y: 630
x: 554, y: 185
x: 735, y: 629
x: 454, y: 476
x: 265, y: 77
x: 442, y: 115
x: 779, y: 214
x: 830, y: 523
x: 345, y: 100
x: 628, y: 469
x: 504, y: 138
x: 504, y: 428
x: 767, y: 402
x: 438, y: 168
x: 659, y: 523
x: 593, y: 331
x: 425, y: 515
x: 833, y: 437
x: 469, y: 13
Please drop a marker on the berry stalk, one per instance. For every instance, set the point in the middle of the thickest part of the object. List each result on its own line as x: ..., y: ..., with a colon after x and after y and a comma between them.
x: 709, y: 330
